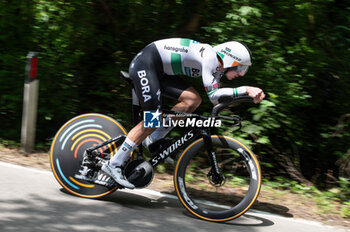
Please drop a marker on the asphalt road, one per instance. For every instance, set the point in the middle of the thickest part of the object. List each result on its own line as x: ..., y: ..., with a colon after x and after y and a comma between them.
x: 32, y: 200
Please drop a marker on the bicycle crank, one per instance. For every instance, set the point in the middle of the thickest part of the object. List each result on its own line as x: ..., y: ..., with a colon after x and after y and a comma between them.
x: 139, y: 173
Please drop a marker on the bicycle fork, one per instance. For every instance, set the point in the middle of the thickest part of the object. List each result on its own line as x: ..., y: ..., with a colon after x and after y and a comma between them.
x: 214, y: 175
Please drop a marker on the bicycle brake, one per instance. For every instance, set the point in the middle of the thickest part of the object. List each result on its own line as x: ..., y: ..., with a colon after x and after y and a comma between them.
x: 216, y: 180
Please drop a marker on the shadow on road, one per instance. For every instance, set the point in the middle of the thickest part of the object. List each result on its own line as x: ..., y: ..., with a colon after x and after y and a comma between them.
x: 131, y: 200
x: 262, y: 206
x: 120, y: 211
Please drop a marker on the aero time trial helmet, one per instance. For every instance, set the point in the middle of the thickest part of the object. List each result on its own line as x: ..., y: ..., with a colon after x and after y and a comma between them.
x: 235, y: 56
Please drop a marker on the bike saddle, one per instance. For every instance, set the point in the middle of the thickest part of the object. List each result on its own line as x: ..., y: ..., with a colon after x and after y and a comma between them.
x: 126, y: 77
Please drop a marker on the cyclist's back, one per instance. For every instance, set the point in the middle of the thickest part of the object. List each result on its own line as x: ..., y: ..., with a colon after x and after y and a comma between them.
x: 173, y: 57
x: 185, y: 56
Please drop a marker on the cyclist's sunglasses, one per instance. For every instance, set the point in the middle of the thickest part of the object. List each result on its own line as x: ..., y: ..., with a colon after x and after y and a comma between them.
x: 240, y: 69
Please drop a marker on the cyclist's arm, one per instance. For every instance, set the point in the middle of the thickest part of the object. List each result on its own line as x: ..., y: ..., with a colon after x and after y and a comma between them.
x: 215, y: 94
x: 211, y: 79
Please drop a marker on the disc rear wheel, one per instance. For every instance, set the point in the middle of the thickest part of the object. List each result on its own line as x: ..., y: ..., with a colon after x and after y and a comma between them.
x: 69, y: 145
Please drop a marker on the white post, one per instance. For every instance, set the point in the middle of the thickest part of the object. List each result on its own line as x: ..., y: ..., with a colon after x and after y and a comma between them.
x: 30, y: 103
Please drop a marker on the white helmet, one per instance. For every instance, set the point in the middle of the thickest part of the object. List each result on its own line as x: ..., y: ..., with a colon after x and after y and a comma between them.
x: 234, y: 54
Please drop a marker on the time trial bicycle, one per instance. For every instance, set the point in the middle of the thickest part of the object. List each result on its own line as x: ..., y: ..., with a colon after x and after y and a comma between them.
x: 217, y: 178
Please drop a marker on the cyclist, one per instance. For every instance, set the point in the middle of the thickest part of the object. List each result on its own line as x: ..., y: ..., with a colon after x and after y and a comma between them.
x: 154, y: 72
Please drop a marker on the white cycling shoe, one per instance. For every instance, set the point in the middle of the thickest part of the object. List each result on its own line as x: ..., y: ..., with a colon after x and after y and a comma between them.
x: 117, y: 174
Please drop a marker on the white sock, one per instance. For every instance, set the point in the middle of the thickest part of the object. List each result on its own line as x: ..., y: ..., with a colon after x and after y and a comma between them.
x: 158, y: 134
x: 123, y: 153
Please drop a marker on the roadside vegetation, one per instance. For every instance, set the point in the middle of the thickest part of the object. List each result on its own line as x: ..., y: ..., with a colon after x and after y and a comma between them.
x: 301, y: 56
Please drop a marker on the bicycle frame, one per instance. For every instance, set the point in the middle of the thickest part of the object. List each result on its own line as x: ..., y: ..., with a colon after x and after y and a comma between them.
x: 180, y: 142
x: 177, y: 145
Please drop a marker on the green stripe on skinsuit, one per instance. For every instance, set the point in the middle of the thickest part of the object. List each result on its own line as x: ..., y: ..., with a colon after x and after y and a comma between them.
x: 235, y: 93
x: 176, y: 63
x: 185, y: 42
x: 212, y: 91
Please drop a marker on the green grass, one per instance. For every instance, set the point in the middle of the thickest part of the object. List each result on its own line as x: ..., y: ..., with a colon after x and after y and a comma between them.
x: 327, y: 202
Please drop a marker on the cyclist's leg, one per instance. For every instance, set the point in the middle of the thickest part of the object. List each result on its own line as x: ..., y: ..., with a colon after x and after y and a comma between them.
x: 176, y: 88
x: 188, y: 101
x: 144, y: 71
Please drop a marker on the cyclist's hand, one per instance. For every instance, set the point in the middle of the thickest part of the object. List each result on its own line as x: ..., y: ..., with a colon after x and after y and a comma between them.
x: 255, y: 93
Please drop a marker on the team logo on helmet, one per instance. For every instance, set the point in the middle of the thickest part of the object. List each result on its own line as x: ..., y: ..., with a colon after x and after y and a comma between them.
x: 233, y: 53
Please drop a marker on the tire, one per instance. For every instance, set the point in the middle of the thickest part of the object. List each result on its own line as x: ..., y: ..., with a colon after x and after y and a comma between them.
x: 69, y: 144
x: 242, y: 183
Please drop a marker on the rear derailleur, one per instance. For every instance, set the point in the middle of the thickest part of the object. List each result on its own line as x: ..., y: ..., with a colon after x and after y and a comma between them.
x: 91, y: 169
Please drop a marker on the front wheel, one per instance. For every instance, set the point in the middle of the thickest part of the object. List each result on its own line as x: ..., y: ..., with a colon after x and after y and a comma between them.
x: 218, y: 202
